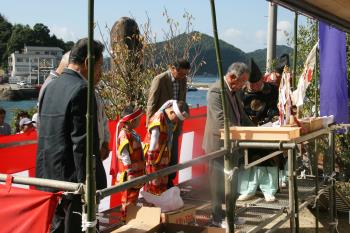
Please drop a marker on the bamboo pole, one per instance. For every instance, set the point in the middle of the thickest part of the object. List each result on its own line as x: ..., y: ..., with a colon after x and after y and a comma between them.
x: 316, y: 141
x: 229, y: 196
x: 90, y: 197
x: 315, y: 75
x: 295, y: 50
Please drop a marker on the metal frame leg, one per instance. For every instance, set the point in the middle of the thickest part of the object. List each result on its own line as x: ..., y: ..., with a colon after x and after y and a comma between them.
x: 291, y: 190
x: 296, y: 199
x: 332, y: 204
x: 316, y: 186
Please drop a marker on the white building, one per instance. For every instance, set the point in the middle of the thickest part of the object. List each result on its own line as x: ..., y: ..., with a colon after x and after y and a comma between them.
x: 25, y: 66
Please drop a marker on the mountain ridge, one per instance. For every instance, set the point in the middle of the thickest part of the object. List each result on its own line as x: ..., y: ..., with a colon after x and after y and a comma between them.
x: 229, y: 54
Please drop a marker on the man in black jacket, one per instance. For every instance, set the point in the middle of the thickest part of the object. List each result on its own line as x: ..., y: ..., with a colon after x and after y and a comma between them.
x: 61, y: 151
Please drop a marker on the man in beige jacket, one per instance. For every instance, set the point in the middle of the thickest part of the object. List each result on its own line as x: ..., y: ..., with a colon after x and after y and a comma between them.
x: 172, y: 84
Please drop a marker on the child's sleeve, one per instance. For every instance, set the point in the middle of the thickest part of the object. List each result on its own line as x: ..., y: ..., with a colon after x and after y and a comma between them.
x: 125, y: 156
x: 154, y: 138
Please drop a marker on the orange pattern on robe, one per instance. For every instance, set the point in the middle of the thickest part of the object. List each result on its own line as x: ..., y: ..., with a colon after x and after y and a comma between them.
x: 160, y: 157
x: 129, y: 139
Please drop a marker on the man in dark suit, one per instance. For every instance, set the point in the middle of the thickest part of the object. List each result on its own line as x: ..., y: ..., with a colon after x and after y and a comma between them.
x: 235, y: 78
x: 61, y: 151
x: 171, y: 84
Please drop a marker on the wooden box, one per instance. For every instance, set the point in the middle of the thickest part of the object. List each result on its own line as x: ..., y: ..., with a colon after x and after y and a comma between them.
x: 263, y: 133
x: 311, y: 124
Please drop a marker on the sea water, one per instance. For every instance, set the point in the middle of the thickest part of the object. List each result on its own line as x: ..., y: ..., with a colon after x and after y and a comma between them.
x: 194, y: 98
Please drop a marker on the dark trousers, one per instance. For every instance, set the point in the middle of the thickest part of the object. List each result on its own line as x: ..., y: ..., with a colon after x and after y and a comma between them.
x: 174, y: 159
x: 64, y: 220
x: 217, y: 188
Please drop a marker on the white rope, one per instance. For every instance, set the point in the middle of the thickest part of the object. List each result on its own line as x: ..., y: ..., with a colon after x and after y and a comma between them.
x: 76, y: 192
x: 335, y: 223
x: 318, y: 196
x: 229, y: 174
x: 85, y: 224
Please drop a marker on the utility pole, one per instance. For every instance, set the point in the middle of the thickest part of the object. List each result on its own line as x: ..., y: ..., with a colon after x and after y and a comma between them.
x: 38, y: 69
x: 271, y: 36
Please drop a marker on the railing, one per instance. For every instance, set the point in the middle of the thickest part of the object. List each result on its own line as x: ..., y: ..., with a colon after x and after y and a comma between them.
x: 79, y: 188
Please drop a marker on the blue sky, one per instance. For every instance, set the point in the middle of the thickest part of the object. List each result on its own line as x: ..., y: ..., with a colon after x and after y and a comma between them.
x: 241, y: 23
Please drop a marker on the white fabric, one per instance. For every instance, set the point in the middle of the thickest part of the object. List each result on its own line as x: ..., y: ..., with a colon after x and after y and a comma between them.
x: 35, y: 119
x: 155, y: 133
x: 167, y: 201
x: 166, y: 105
x: 125, y: 157
x: 177, y: 111
x: 305, y: 78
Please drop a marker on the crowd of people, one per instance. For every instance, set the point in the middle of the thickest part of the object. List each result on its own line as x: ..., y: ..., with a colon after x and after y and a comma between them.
x: 24, y: 123
x: 61, y: 124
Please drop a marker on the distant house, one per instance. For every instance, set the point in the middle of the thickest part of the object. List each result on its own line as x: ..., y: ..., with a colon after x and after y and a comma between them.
x: 33, y: 64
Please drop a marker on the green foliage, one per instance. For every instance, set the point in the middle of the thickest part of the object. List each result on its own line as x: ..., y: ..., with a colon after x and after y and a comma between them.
x: 13, y: 38
x: 133, y: 70
x: 229, y: 53
x: 5, y: 34
x: 21, y: 35
x: 259, y: 55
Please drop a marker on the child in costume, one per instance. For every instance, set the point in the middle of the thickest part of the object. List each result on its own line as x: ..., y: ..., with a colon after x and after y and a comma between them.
x: 158, y: 141
x: 129, y: 160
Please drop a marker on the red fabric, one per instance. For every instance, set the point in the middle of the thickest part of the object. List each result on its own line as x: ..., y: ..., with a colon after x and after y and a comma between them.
x: 24, y: 210
x: 26, y: 154
x: 17, y: 158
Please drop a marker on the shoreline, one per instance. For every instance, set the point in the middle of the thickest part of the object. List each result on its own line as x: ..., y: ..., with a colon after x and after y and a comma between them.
x: 13, y: 92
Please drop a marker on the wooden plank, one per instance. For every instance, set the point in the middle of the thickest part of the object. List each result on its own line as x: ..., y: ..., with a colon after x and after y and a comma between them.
x: 263, y: 133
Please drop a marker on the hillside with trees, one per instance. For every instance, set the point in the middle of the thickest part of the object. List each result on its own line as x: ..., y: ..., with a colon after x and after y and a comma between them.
x: 229, y: 53
x: 14, y: 37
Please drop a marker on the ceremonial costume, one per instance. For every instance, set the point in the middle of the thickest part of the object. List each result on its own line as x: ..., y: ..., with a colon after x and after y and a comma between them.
x: 260, y: 104
x: 130, y: 162
x: 158, y: 143
x: 127, y: 159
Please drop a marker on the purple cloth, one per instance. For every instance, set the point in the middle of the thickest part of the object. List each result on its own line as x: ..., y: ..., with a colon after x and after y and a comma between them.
x: 333, y: 81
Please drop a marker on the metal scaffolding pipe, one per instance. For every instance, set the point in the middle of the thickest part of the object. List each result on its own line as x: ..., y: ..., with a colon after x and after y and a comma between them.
x: 166, y: 171
x: 267, y: 145
x: 332, y: 191
x: 259, y: 161
x: 271, y: 36
x: 56, y: 184
x: 291, y: 190
x: 287, y: 217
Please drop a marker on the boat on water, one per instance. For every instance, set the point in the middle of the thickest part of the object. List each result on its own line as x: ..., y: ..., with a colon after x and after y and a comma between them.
x: 191, y: 88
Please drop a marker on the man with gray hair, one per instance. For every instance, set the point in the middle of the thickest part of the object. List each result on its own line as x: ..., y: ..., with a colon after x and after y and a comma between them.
x: 54, y: 74
x: 236, y: 77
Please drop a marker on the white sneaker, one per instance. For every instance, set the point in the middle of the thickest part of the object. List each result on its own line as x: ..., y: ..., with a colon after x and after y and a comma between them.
x: 269, y: 198
x: 245, y: 197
